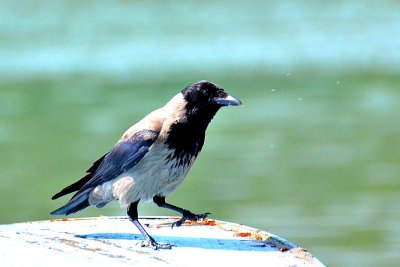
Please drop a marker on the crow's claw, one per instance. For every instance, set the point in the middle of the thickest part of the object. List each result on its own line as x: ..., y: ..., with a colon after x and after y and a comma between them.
x: 187, y: 215
x: 154, y: 245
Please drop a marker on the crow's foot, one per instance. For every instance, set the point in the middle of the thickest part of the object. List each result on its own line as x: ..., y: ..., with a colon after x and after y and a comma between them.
x: 155, y: 245
x: 187, y: 215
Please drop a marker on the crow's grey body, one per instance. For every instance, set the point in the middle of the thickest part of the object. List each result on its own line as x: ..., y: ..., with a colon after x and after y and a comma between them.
x: 152, y: 157
x: 141, y: 165
x: 158, y: 173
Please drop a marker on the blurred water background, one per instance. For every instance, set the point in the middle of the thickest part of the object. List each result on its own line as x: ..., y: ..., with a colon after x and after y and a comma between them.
x: 313, y: 155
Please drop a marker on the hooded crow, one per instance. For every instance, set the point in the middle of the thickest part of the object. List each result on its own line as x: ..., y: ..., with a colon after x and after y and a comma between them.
x: 152, y: 157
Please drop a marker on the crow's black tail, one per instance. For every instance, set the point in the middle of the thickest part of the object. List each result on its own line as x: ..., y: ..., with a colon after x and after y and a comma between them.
x: 78, y: 202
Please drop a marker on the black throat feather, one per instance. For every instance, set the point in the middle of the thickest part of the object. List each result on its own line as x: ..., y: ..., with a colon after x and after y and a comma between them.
x: 187, y: 138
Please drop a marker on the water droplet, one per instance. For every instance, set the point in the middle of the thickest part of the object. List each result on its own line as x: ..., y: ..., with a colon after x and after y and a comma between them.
x: 272, y: 146
x: 300, y: 99
x: 272, y: 90
x: 288, y: 74
x: 338, y: 82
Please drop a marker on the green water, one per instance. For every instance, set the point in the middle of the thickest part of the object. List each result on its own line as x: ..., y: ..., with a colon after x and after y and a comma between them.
x: 313, y: 155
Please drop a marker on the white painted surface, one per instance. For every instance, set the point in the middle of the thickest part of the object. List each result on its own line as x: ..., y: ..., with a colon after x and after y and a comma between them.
x: 114, y: 241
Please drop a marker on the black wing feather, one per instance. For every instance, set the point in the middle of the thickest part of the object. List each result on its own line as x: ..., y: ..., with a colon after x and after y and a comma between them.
x: 126, y: 154
x: 122, y: 157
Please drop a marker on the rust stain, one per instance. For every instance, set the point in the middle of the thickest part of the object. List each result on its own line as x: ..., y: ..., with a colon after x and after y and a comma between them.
x: 243, y: 234
x: 65, y: 219
x: 283, y: 249
x: 210, y: 222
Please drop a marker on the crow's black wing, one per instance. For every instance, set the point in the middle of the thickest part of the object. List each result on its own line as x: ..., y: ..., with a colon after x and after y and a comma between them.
x: 126, y: 154
x: 123, y: 156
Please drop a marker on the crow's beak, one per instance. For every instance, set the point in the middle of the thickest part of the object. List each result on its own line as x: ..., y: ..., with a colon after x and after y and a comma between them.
x: 227, y: 101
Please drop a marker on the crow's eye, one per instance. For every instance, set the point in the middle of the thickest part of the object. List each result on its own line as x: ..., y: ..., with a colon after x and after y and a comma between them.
x: 204, y: 94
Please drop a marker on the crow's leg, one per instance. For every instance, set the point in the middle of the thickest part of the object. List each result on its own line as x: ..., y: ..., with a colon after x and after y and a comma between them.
x: 186, y: 214
x: 133, y: 217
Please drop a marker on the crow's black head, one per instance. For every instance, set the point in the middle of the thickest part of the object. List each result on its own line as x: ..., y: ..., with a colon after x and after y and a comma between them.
x: 205, y: 95
x: 202, y: 100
